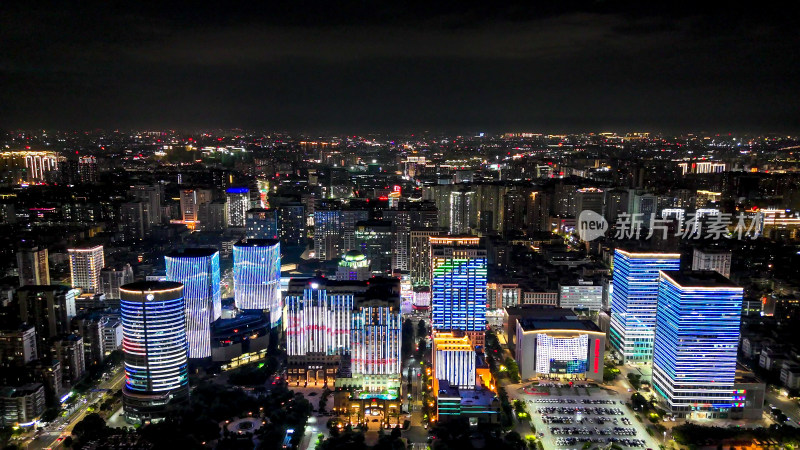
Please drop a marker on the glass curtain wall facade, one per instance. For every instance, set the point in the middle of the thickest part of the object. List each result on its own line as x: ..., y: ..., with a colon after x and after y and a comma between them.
x: 198, y: 271
x: 633, y: 301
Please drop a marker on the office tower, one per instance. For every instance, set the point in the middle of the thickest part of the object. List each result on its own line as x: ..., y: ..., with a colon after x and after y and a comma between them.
x: 68, y: 350
x: 213, y: 216
x: 564, y: 199
x: 538, y: 212
x: 616, y: 204
x: 191, y: 200
x: 238, y: 204
x: 135, y: 220
x: 87, y: 168
x: 349, y: 218
x: 420, y: 255
x: 85, y: 265
x: 458, y: 286
x: 292, y: 224
x: 198, y: 270
x: 375, y: 340
x: 633, y: 301
x: 48, y: 308
x: 154, y: 348
x: 515, y: 203
x: 111, y: 331
x: 89, y: 327
x: 696, y: 340
x: 490, y: 206
x: 462, y: 207
x: 327, y: 233
x: 374, y: 239
x: 407, y: 216
x: 718, y: 260
x: 330, y: 331
x: 18, y: 346
x: 318, y: 319
x: 454, y: 361
x: 111, y: 278
x: 257, y: 276
x: 643, y: 204
x: 33, y: 266
x: 21, y: 405
x: 151, y: 196
x: 354, y: 266
x: 589, y: 199
x: 261, y: 223
x: 583, y: 296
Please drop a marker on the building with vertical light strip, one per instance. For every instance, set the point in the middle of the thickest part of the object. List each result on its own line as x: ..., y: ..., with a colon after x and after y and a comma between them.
x: 198, y: 270
x: 375, y: 339
x: 696, y: 340
x: 347, y: 331
x: 85, y: 265
x: 154, y: 346
x: 317, y: 320
x: 257, y: 277
x: 453, y: 360
x: 458, y: 286
x: 33, y: 266
x: 633, y: 301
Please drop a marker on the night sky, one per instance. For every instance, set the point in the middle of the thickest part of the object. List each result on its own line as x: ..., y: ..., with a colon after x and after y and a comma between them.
x: 361, y: 66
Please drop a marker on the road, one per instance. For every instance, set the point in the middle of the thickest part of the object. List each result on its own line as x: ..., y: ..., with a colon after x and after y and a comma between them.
x: 789, y: 407
x: 50, y: 437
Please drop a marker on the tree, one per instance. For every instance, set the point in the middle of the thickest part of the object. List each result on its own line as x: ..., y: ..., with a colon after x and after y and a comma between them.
x: 422, y: 329
x: 513, y: 370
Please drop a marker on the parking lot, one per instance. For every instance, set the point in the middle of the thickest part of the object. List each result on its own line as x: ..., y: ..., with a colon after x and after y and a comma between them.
x: 568, y: 417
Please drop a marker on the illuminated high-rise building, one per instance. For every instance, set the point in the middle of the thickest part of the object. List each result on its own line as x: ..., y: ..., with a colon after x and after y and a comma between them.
x: 462, y: 210
x: 33, y: 266
x: 419, y: 257
x: 198, y: 270
x: 257, y: 277
x: 87, y: 168
x: 84, y: 266
x: 261, y: 223
x: 292, y: 223
x: 191, y: 201
x: 458, y: 286
x: 154, y: 346
x: 354, y: 266
x: 633, y: 301
x: 375, y: 340
x: 718, y: 260
x: 374, y: 238
x: 696, y: 341
x: 347, y: 327
x: 238, y: 204
x: 112, y: 278
x: 317, y: 323
x: 453, y: 360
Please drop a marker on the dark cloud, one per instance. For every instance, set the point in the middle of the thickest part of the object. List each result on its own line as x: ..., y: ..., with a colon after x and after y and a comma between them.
x: 366, y: 65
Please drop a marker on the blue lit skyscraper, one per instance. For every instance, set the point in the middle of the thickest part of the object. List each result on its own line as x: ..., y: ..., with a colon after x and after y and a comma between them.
x: 458, y: 287
x: 696, y: 339
x: 257, y: 276
x: 633, y: 301
x: 238, y: 204
x: 154, y: 347
x: 198, y: 270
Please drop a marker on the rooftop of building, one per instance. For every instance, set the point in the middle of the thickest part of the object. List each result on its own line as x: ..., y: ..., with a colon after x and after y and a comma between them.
x: 43, y: 288
x: 150, y: 286
x: 529, y: 324
x: 194, y: 252
x: 468, y: 397
x: 540, y: 311
x: 699, y: 278
x: 257, y: 243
